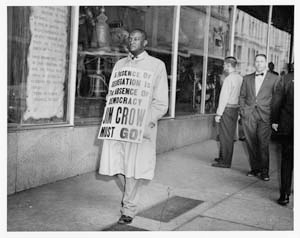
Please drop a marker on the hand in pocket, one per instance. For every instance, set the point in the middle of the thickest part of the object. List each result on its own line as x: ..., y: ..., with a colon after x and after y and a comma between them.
x: 148, y: 130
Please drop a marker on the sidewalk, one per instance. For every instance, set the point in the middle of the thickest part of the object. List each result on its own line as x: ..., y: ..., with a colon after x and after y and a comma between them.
x: 216, y: 198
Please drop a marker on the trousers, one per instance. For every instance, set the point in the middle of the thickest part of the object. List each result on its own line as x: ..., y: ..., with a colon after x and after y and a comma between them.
x: 227, y: 132
x: 257, y: 133
x: 131, y: 195
x: 287, y: 164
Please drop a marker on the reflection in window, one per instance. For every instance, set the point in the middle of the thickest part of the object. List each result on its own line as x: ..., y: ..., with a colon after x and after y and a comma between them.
x: 190, y: 59
x: 38, y: 64
x: 102, y: 41
x: 219, y: 30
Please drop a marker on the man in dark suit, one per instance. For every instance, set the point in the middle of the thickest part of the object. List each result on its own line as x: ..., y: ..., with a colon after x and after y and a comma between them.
x: 271, y: 68
x: 255, y: 109
x: 283, y: 123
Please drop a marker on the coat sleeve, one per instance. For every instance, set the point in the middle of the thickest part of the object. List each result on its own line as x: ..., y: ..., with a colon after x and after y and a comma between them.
x: 224, y: 96
x: 243, y: 94
x: 160, y: 98
x: 115, y: 68
x: 277, y: 99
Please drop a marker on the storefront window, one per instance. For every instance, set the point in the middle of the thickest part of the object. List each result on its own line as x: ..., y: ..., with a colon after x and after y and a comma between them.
x: 218, y: 49
x: 248, y: 45
x: 38, y: 64
x: 190, y: 59
x: 102, y: 41
x: 39, y: 51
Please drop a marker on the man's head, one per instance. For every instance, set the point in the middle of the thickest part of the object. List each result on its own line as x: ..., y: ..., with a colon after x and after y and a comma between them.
x: 291, y: 67
x: 230, y: 63
x: 260, y: 63
x: 137, y: 41
x: 271, y: 66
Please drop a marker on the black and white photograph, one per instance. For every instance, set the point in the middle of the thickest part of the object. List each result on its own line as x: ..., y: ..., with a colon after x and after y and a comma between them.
x: 122, y: 118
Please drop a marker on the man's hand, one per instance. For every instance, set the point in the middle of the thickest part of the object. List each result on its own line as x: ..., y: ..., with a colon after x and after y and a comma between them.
x: 217, y: 119
x: 275, y: 126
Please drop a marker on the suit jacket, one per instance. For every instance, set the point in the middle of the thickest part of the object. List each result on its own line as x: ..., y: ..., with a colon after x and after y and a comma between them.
x: 283, y: 105
x: 262, y: 102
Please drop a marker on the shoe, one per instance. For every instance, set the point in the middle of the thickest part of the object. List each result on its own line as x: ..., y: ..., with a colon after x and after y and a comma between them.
x: 253, y: 173
x: 264, y: 177
x: 217, y: 159
x: 125, y: 220
x: 283, y: 200
x: 220, y: 165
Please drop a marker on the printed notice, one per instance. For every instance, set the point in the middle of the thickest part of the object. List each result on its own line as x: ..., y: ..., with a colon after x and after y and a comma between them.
x: 46, y: 62
x: 125, y: 113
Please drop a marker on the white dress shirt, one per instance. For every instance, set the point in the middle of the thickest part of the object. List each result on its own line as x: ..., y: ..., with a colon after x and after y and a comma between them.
x: 258, y: 81
x: 230, y: 92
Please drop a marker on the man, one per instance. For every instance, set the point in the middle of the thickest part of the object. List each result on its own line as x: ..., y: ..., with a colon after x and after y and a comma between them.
x: 133, y: 162
x: 227, y: 112
x: 271, y: 68
x: 255, y: 103
x: 283, y: 123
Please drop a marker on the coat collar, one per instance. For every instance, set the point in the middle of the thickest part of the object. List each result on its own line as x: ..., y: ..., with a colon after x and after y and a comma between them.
x: 267, y: 75
x: 139, y: 57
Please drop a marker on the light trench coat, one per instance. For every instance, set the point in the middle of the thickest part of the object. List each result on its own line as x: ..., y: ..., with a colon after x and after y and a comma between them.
x: 133, y: 159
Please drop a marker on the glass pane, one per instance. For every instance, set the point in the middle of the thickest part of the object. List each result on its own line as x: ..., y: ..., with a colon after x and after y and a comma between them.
x: 250, y: 39
x: 190, y: 59
x: 38, y: 54
x: 218, y: 49
x: 100, y: 46
x: 279, y: 51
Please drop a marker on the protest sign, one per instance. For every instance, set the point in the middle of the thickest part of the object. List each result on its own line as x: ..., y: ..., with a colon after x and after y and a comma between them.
x: 127, y: 102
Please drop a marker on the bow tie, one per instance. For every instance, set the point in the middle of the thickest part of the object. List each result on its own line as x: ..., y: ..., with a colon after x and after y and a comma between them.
x: 261, y: 74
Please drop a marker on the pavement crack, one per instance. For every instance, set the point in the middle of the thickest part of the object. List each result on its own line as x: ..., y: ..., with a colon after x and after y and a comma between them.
x: 219, y: 219
x: 220, y: 201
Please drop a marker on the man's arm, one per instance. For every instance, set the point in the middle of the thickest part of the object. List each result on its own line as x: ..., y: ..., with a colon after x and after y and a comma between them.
x: 223, y: 99
x: 160, y: 98
x: 242, y: 97
x: 276, y: 103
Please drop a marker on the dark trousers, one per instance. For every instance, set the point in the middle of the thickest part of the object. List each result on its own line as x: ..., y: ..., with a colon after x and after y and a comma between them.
x: 227, y: 130
x: 287, y: 164
x: 257, y: 134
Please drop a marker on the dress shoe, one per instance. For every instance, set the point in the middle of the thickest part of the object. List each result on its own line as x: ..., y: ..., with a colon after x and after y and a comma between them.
x: 264, y: 177
x: 283, y: 200
x: 220, y: 165
x: 253, y: 173
x: 125, y: 220
x: 217, y: 159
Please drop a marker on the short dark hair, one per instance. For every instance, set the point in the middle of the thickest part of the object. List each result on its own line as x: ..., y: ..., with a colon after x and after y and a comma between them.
x: 141, y: 31
x: 262, y: 55
x: 231, y: 60
x: 271, y: 65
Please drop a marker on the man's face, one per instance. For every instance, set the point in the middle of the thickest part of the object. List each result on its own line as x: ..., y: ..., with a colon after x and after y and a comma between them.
x: 226, y: 67
x: 136, y: 42
x: 260, y: 63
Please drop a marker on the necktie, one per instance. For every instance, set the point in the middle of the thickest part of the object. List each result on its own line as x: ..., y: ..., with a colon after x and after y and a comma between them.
x: 261, y: 74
